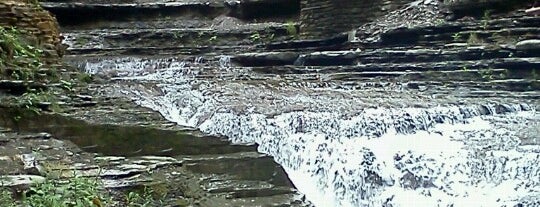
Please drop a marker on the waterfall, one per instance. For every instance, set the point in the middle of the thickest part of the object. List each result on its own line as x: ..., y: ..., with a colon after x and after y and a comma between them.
x: 224, y: 61
x: 342, y: 150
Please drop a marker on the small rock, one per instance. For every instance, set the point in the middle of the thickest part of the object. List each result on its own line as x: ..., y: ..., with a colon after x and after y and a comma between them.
x: 132, y: 167
x: 84, y: 97
x: 413, y: 85
x: 5, y: 158
x: 533, y: 44
x: 42, y: 135
x: 20, y: 181
x: 31, y: 165
x: 266, y: 58
x: 45, y: 135
x: 158, y: 158
x: 533, y: 11
x: 110, y: 159
x: 45, y: 147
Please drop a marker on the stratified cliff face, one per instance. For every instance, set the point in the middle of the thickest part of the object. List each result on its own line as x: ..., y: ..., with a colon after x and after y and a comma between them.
x: 36, y: 24
x: 324, y: 18
x: 467, y: 7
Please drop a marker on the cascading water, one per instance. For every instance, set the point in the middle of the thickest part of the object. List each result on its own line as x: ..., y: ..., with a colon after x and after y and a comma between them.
x: 346, y: 147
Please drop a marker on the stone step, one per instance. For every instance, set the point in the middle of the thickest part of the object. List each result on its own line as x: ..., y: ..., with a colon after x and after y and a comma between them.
x: 243, y: 188
x: 451, y: 75
x: 130, y: 140
x: 262, y: 180
x: 245, y: 34
x: 270, y: 201
x: 386, y: 56
x: 505, y: 88
x: 446, y: 32
x: 150, y: 51
x: 241, y: 166
x: 439, y: 55
x: 512, y: 64
x: 502, y: 37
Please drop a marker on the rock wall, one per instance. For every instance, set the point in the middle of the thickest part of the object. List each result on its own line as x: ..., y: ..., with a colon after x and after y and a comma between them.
x: 325, y: 18
x: 37, y: 24
x: 479, y: 6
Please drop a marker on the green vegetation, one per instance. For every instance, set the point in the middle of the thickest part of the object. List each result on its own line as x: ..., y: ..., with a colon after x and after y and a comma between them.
x: 21, y: 60
x: 440, y: 22
x: 534, y: 75
x: 6, y: 198
x: 485, y: 19
x: 18, y: 59
x: 456, y: 36
x: 75, y: 192
x: 179, y: 35
x: 255, y: 37
x: 78, y: 192
x: 213, y: 38
x: 81, y: 41
x: 35, y: 3
x: 487, y: 74
x: 291, y: 29
x: 144, y: 199
x: 37, y: 100
x: 84, y: 78
x: 474, y: 39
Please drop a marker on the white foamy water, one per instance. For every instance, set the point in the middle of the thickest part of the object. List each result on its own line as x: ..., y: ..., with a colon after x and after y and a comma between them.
x: 339, y: 154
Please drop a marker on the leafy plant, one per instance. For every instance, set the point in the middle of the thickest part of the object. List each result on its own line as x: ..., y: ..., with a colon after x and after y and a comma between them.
x: 84, y: 78
x: 456, y: 36
x: 6, y: 198
x: 179, y: 35
x: 213, y: 38
x: 474, y: 39
x: 255, y: 37
x: 32, y: 99
x: 291, y: 29
x: 485, y: 19
x: 487, y: 74
x: 66, y: 85
x: 81, y: 41
x: 146, y: 199
x: 439, y: 22
x: 22, y: 58
x: 78, y: 192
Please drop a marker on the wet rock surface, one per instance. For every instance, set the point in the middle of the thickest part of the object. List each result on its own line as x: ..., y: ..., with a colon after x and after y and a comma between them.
x: 200, y: 177
x: 462, y: 93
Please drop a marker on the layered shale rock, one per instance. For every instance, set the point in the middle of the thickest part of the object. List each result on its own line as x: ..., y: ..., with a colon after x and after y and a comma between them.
x: 478, y: 7
x: 37, y: 24
x: 322, y: 19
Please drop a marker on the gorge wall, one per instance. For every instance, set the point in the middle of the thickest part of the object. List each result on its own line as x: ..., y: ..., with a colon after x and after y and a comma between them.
x: 324, y: 18
x: 37, y: 25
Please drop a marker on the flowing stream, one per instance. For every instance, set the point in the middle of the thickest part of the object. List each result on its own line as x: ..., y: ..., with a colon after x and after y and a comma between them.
x: 351, y: 143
